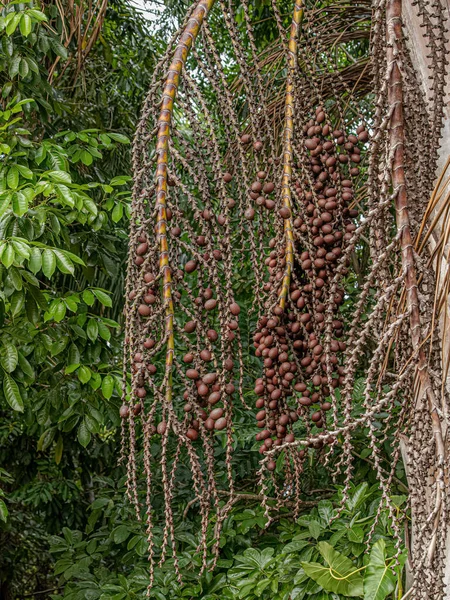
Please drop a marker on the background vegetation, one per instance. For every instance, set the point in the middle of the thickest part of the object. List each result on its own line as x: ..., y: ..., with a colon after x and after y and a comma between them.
x: 70, y: 99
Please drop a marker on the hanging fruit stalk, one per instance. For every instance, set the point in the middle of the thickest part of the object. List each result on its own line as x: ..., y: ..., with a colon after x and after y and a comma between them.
x: 286, y: 196
x: 162, y: 149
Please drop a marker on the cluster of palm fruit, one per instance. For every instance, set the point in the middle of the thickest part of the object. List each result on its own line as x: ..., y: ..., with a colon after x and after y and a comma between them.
x: 300, y: 344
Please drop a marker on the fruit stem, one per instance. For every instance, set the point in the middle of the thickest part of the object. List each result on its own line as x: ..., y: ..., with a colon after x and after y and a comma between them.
x: 181, y: 52
x: 286, y: 195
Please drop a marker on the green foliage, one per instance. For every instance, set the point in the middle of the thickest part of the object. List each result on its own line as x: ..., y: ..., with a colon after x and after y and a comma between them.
x: 319, y: 556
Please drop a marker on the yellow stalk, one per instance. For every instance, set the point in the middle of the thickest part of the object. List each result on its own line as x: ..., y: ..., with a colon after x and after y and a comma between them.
x: 286, y: 195
x: 181, y: 52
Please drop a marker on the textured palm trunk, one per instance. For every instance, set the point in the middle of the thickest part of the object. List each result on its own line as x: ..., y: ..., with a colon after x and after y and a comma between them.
x: 419, y: 54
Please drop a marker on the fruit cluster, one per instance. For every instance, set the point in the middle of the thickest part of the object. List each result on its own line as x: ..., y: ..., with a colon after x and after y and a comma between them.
x: 300, y: 344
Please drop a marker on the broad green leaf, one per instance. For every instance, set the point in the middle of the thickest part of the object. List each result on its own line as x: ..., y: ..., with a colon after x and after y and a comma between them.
x: 339, y: 575
x: 88, y: 297
x: 48, y: 263
x: 64, y: 264
x: 15, y: 279
x: 13, y: 22
x: 59, y: 176
x: 3, y: 511
x: 35, y: 261
x: 118, y: 137
x: 103, y: 331
x: 24, y: 171
x: 19, y: 204
x: 103, y: 298
x: 46, y: 439
x: 59, y: 449
x: 92, y: 330
x: 12, y: 393
x: 83, y: 434
x: 12, y: 178
x: 108, y: 386
x: 120, y: 534
x: 8, y: 356
x: 117, y: 212
x: 25, y: 366
x: 379, y: 580
x: 84, y: 374
x: 8, y: 255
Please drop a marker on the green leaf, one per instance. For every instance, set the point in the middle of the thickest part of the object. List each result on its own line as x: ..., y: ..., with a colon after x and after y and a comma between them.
x: 379, y: 580
x: 3, y: 511
x: 84, y: 374
x: 108, y: 386
x: 59, y: 176
x: 88, y: 297
x: 25, y: 25
x: 118, y: 137
x: 48, y: 263
x: 59, y: 449
x: 120, y: 534
x: 46, y: 439
x: 8, y: 356
x: 19, y: 204
x: 12, y: 393
x: 339, y: 576
x: 8, y: 255
x: 12, y: 24
x: 104, y: 332
x: 35, y: 260
x: 64, y: 264
x: 12, y: 178
x: 25, y: 366
x: 92, y: 330
x: 117, y: 212
x: 83, y: 434
x: 103, y: 298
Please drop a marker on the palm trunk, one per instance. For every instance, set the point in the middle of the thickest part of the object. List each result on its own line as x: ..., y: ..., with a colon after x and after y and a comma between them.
x: 419, y: 54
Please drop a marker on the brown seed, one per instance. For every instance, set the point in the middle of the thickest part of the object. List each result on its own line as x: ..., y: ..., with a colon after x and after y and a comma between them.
x: 192, y: 374
x: 175, y: 231
x: 214, y: 398
x: 137, y: 408
x: 142, y: 249
x: 188, y: 358
x: 161, y: 428
x: 268, y: 187
x: 316, y: 417
x: 190, y: 266
x: 216, y: 413
x: 211, y: 304
x: 235, y: 309
x: 227, y: 177
x: 209, y: 378
x: 249, y: 214
x: 124, y: 411
x: 284, y: 212
x: 246, y: 139
x: 258, y: 146
x: 212, y: 335
x: 271, y: 465
x: 192, y: 434
x: 205, y: 355
x: 144, y: 310
x: 209, y: 424
x: 220, y: 424
x: 190, y: 326
x: 256, y: 186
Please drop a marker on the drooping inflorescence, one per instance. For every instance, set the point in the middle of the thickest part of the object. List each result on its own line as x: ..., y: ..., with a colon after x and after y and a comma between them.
x: 251, y: 211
